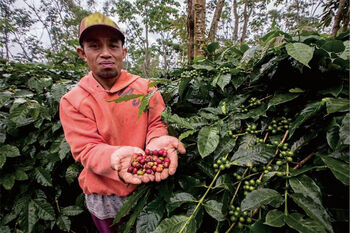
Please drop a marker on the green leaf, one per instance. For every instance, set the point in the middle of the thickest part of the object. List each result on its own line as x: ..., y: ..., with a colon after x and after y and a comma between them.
x: 203, y: 67
x: 333, y: 46
x: 9, y: 151
x: 208, y: 140
x: 150, y: 216
x: 183, y: 85
x: 28, y: 217
x: 175, y: 119
x: 64, y: 149
x: 339, y: 169
x: 223, y: 80
x: 212, y: 47
x: 72, y: 173
x: 63, y: 222
x: 140, y: 204
x: 274, y: 218
x: 296, y: 221
x: 333, y: 90
x: 20, y: 174
x: 344, y: 130
x: 300, y: 52
x: 214, y: 209
x: 306, y: 186
x: 309, y: 111
x: 45, y: 210
x: 72, y: 210
x: 296, y: 90
x: 159, y: 81
x: 130, y: 203
x: 337, y: 105
x: 346, y: 53
x: 180, y: 198
x: 126, y: 98
x: 58, y: 90
x: 8, y: 180
x: 225, y: 146
x: 261, y: 197
x: 313, y: 210
x: 144, y: 102
x: 4, y: 97
x: 23, y: 112
x: 43, y: 176
x: 186, y: 134
x: 2, y: 160
x: 250, y: 152
x: 38, y: 85
x: 174, y: 224
x: 280, y: 98
x: 333, y: 134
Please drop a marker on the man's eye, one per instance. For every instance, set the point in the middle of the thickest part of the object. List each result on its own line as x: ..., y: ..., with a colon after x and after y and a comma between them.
x: 93, y: 45
x: 114, y: 46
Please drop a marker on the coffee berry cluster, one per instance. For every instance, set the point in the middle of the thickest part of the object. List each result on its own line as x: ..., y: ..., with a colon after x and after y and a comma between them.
x: 225, y: 70
x: 222, y: 164
x: 252, y: 102
x: 284, y: 152
x: 241, y: 216
x: 151, y: 162
x: 250, y: 185
x: 252, y: 129
x: 278, y: 126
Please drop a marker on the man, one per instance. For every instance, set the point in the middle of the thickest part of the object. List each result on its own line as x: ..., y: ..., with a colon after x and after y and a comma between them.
x: 103, y: 135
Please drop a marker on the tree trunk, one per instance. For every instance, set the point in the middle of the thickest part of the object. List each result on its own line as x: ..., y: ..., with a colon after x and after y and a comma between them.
x: 199, y: 27
x: 235, y: 27
x: 190, y: 31
x: 346, y: 18
x: 216, y: 19
x: 246, y: 16
x: 338, y: 17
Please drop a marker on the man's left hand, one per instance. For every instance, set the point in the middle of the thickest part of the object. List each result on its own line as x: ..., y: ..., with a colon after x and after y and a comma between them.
x: 171, y: 145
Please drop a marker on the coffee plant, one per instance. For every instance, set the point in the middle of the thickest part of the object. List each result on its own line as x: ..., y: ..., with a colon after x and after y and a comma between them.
x: 267, y: 136
x: 266, y: 130
x: 39, y: 190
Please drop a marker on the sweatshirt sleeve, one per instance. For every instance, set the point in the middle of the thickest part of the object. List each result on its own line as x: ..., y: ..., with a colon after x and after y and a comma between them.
x: 156, y: 127
x: 87, y: 146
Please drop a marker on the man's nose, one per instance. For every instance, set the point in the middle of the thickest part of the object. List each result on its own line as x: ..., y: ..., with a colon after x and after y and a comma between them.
x: 105, y: 52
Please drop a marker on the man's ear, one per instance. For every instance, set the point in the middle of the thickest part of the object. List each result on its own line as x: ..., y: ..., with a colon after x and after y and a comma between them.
x: 125, y: 51
x: 81, y: 54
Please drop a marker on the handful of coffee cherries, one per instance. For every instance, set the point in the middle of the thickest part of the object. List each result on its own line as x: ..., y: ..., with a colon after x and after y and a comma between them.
x: 153, y: 161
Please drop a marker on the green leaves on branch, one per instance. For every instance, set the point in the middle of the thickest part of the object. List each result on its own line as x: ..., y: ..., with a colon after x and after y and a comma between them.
x: 208, y: 140
x: 301, y: 52
x: 261, y: 197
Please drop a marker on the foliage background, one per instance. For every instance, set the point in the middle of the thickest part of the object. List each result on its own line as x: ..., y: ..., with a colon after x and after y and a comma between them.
x: 300, y: 72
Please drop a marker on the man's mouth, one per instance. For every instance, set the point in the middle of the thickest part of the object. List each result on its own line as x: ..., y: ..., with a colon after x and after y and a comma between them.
x: 107, y: 64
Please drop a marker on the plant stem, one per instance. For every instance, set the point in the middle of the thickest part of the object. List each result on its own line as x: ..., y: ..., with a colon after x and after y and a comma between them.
x: 238, y: 186
x: 200, y: 202
x: 286, y: 192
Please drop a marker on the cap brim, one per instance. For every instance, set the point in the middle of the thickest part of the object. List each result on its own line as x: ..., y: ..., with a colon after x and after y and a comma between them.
x: 83, y: 34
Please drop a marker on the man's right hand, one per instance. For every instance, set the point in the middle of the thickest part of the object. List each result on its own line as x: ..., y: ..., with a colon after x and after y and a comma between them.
x: 121, y: 160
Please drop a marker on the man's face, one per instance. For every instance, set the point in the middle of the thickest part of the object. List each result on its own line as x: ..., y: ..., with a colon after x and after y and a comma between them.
x: 104, y: 53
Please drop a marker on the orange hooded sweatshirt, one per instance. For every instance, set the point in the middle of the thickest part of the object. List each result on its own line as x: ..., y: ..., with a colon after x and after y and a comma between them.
x: 95, y: 128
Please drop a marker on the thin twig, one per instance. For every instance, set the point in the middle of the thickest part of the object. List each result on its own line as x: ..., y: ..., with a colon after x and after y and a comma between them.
x: 238, y: 186
x: 58, y: 207
x: 302, y: 162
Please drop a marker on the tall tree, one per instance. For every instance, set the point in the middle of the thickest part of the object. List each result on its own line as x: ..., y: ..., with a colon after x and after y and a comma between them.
x: 236, y: 20
x: 190, y: 30
x: 216, y: 19
x: 156, y: 20
x: 199, y: 27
